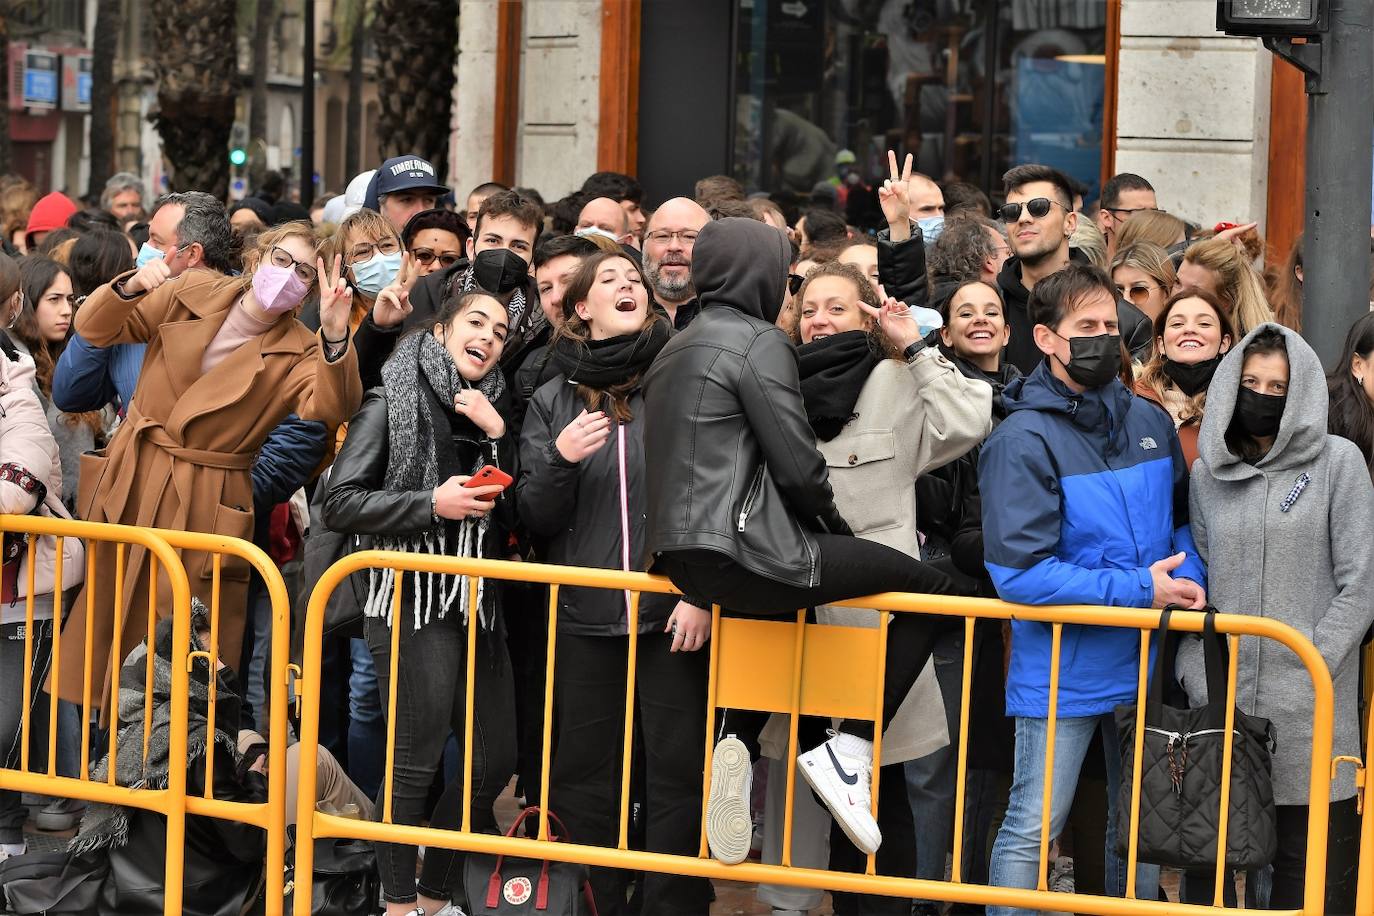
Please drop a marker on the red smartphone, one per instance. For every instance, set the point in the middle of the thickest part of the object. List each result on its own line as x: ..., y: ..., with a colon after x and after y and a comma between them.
x: 489, y: 476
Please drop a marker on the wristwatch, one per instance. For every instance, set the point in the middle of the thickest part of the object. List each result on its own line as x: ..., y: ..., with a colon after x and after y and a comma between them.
x: 914, y: 350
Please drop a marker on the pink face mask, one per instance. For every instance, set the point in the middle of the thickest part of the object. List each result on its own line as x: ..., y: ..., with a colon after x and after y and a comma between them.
x: 277, y: 289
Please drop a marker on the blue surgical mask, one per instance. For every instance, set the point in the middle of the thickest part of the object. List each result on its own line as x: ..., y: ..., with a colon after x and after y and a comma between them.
x: 376, y: 273
x: 148, y: 253
x: 931, y: 227
x: 927, y: 320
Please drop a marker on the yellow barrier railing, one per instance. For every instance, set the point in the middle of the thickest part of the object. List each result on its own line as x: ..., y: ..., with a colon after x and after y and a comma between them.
x: 780, y: 661
x: 165, y: 547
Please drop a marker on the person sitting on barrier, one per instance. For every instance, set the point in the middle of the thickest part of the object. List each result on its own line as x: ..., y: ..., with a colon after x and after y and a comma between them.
x: 223, y: 864
x: 227, y: 361
x: 741, y: 514
x: 1084, y: 502
x: 1283, y: 513
x: 581, y: 491
x: 869, y: 382
x: 440, y: 418
x: 30, y: 483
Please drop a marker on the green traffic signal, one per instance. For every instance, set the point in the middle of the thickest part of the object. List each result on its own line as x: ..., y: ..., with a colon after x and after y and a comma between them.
x: 238, y: 156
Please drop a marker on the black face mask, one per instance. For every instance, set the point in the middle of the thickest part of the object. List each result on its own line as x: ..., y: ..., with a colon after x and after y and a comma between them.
x: 1093, y: 361
x: 1192, y: 379
x: 1259, y: 415
x: 499, y: 270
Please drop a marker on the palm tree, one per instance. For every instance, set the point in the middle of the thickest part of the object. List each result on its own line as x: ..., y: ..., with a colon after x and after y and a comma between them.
x: 197, y: 79
x: 109, y: 19
x: 4, y: 90
x: 263, y: 11
x: 417, y: 45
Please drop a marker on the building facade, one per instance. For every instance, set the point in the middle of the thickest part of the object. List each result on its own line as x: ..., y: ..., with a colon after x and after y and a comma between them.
x: 771, y: 91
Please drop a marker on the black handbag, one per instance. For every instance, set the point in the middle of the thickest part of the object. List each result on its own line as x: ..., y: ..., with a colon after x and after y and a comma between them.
x: 1181, y: 769
x: 511, y: 886
x: 41, y: 883
x: 345, y: 880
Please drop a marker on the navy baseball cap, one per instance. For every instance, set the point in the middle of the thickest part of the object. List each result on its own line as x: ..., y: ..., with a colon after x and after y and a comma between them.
x: 408, y: 173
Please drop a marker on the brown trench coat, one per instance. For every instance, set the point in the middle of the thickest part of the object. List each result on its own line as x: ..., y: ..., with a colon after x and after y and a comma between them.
x: 181, y: 458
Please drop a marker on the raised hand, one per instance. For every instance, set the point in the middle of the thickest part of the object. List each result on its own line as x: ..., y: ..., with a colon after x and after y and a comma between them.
x: 336, y: 300
x: 393, y: 302
x: 894, y: 319
x: 473, y: 404
x: 150, y: 276
x: 894, y: 199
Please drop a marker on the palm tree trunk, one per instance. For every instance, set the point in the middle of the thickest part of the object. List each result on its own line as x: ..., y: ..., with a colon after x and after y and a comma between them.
x: 196, y: 73
x: 353, y: 120
x: 415, y: 77
x: 257, y: 112
x: 105, y: 45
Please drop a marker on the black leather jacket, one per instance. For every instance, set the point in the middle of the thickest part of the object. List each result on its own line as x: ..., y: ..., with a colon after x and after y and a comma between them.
x: 731, y: 461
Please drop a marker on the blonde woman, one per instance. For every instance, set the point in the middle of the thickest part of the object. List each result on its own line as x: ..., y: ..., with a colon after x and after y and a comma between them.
x: 1144, y: 276
x: 1220, y: 268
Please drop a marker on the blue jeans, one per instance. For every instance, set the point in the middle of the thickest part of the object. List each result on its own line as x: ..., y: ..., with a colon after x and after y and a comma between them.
x: 367, y: 727
x: 1016, y: 854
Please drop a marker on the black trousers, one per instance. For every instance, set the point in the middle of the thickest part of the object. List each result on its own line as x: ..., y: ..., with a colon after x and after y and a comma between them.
x: 431, y: 685
x: 847, y: 567
x: 585, y: 777
x: 1290, y: 863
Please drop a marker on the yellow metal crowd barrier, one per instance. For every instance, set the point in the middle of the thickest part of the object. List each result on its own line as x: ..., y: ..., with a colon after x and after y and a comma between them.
x: 173, y: 802
x: 782, y: 667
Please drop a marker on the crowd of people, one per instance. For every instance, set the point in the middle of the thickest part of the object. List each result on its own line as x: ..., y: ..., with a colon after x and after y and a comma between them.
x: 1042, y: 400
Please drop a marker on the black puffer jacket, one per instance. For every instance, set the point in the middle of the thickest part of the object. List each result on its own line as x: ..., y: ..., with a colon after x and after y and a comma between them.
x: 1021, y: 352
x: 732, y: 464
x: 574, y: 509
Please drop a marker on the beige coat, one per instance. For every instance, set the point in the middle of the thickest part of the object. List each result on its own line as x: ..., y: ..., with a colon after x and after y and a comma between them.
x: 181, y: 458
x: 910, y: 418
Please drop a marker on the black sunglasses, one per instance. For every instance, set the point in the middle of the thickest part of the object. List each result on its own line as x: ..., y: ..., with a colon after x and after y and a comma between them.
x: 425, y: 257
x: 1037, y: 207
x: 794, y: 283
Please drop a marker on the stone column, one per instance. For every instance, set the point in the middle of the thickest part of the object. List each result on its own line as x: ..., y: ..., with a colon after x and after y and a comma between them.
x: 1193, y: 111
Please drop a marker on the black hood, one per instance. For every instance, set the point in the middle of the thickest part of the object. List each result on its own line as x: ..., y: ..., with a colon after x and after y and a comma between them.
x: 742, y: 264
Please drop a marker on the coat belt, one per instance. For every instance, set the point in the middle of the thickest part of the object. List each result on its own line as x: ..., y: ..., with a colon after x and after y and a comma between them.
x: 183, y: 460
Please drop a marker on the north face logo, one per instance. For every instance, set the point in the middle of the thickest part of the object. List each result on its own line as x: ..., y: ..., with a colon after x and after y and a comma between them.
x: 1148, y: 443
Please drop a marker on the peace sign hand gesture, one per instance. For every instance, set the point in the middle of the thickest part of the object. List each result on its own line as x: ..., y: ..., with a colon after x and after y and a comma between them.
x: 336, y: 300
x: 894, y: 200
x: 895, y: 320
x: 393, y: 302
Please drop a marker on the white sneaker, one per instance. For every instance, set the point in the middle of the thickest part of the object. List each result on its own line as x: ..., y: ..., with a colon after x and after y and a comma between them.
x: 450, y: 909
x: 729, y: 828
x: 841, y: 773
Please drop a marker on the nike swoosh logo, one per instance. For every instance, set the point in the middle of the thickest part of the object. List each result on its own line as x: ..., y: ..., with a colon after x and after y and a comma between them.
x: 849, y: 780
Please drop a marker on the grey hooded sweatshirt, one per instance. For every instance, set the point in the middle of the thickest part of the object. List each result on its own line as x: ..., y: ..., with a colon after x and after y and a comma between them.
x: 1290, y: 538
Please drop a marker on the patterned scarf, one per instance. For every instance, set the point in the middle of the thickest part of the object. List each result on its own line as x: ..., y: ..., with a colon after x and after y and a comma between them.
x: 107, y: 826
x: 515, y: 308
x: 421, y: 382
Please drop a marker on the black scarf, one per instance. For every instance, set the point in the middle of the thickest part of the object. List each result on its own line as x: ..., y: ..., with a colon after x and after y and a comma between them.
x: 833, y: 372
x: 606, y: 363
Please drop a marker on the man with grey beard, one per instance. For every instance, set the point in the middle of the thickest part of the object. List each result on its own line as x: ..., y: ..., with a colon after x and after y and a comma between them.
x: 668, y: 245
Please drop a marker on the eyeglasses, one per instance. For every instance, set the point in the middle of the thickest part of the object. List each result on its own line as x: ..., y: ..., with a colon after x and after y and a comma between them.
x: 1037, y: 207
x: 425, y: 257
x: 1138, y: 293
x: 663, y: 236
x: 794, y: 283
x: 282, y: 258
x: 364, y: 250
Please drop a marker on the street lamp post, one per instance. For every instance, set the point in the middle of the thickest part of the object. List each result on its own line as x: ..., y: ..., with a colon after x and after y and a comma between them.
x: 308, y: 106
x: 1332, y: 42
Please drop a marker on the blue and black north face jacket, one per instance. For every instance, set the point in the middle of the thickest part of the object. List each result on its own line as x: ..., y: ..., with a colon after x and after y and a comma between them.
x: 1081, y: 494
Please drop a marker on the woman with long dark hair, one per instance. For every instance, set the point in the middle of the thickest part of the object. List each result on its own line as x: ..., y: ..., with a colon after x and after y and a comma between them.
x: 440, y: 416
x: 1351, y: 386
x: 582, y: 491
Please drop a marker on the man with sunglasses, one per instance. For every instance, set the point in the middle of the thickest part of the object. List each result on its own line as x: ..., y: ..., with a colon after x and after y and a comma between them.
x: 435, y: 240
x: 1039, y: 222
x: 1122, y: 196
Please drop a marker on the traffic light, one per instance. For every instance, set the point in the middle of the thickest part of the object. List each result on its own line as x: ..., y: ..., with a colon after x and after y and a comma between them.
x: 1272, y: 18
x: 238, y: 156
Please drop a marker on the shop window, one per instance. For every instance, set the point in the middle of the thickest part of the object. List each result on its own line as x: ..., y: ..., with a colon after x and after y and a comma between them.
x: 969, y: 87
